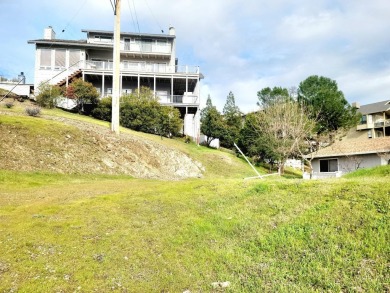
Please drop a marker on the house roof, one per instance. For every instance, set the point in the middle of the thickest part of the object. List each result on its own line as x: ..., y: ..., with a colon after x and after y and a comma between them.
x: 375, y: 107
x: 78, y: 43
x: 350, y: 147
x: 129, y: 34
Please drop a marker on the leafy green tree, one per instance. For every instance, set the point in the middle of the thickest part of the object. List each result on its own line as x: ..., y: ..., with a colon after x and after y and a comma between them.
x: 212, y: 124
x: 140, y: 111
x: 253, y: 142
x: 169, y: 123
x: 233, y: 122
x: 326, y: 104
x: 268, y: 97
x: 48, y: 95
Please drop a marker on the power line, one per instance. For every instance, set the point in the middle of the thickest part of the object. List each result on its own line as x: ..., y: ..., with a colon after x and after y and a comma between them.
x: 74, y: 16
x: 113, y: 6
x: 132, y: 17
x: 155, y: 19
x: 135, y: 13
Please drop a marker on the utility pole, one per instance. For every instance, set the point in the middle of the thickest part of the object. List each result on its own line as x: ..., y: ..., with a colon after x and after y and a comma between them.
x: 116, y: 68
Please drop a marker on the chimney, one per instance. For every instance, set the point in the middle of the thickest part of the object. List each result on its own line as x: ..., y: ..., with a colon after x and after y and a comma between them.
x: 356, y: 105
x: 49, y: 33
x: 172, y: 31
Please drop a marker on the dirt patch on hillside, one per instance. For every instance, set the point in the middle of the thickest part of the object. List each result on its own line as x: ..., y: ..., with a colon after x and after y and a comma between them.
x: 81, y: 147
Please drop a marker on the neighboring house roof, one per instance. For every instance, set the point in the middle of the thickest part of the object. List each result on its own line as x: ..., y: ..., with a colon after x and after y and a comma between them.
x: 128, y: 34
x: 375, y: 107
x: 351, y: 147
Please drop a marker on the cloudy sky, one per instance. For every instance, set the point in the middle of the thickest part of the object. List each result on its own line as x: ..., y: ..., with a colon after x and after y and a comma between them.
x: 240, y: 46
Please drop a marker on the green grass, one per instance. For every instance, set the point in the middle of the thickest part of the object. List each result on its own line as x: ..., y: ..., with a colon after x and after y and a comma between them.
x: 108, y: 233
x: 383, y: 171
x: 97, y: 233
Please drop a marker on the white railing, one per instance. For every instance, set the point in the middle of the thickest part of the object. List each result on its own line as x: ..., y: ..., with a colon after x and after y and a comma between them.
x: 146, y: 48
x: 141, y: 67
x: 178, y: 99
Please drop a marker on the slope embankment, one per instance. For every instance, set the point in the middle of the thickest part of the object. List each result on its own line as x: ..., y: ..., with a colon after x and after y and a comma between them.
x: 63, y: 145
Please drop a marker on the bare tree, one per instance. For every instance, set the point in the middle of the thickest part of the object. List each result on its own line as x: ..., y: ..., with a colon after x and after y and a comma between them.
x: 285, y: 127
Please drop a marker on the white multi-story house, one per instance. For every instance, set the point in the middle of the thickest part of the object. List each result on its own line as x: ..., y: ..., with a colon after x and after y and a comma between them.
x: 146, y: 60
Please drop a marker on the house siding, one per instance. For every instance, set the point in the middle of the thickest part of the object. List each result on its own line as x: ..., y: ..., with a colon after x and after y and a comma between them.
x: 348, y: 164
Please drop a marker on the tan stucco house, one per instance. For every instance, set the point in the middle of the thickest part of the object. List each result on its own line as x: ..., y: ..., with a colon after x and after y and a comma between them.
x: 366, y: 145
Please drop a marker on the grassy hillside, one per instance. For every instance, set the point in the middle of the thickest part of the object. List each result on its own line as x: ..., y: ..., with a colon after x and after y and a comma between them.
x: 100, y: 233
x: 48, y: 144
x: 103, y: 233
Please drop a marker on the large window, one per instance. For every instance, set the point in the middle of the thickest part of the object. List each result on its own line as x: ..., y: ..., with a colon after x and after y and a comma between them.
x: 60, y: 58
x: 45, y: 59
x: 330, y: 165
x: 74, y: 57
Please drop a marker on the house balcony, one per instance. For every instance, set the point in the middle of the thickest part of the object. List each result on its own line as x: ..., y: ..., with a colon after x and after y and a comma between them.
x: 136, y: 67
x: 145, y: 48
x: 172, y: 100
x: 137, y: 47
x: 179, y: 100
x: 377, y: 124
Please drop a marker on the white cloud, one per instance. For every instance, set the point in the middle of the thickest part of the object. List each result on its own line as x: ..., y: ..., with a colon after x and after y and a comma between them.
x: 240, y: 46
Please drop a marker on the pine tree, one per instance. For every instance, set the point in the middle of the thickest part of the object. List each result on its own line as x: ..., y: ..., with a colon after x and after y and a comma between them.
x: 233, y: 121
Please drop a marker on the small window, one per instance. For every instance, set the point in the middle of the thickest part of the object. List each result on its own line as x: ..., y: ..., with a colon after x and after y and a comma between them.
x: 330, y: 165
x: 363, y: 120
x: 369, y: 133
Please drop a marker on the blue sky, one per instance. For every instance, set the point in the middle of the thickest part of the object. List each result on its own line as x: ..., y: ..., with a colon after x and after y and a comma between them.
x: 240, y: 46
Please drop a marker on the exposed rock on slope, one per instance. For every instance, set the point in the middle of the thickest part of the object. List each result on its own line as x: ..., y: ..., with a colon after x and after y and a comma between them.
x: 81, y: 147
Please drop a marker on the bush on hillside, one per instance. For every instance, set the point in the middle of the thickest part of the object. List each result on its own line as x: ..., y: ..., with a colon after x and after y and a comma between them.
x: 103, y: 109
x: 141, y: 111
x: 48, y: 95
x: 9, y: 105
x: 33, y: 111
x: 83, y: 92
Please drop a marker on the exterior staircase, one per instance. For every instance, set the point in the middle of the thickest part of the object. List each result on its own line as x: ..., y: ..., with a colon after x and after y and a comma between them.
x: 74, y: 75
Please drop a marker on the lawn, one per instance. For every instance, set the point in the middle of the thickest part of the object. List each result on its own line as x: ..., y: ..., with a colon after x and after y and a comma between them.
x: 66, y: 233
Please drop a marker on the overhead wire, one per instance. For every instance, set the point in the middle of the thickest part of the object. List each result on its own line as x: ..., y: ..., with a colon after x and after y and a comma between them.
x: 136, y: 18
x: 154, y: 17
x: 113, y: 5
x: 132, y: 17
x: 74, y: 16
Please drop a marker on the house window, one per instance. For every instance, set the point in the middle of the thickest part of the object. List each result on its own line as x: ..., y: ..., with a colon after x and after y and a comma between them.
x: 330, y: 165
x: 60, y: 56
x: 103, y: 39
x: 369, y: 133
x: 363, y: 120
x: 45, y: 62
x: 74, y: 57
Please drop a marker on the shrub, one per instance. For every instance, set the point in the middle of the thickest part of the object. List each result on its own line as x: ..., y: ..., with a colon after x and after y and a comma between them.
x: 9, y: 105
x: 33, y: 111
x: 103, y: 109
x: 84, y: 92
x: 47, y: 95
